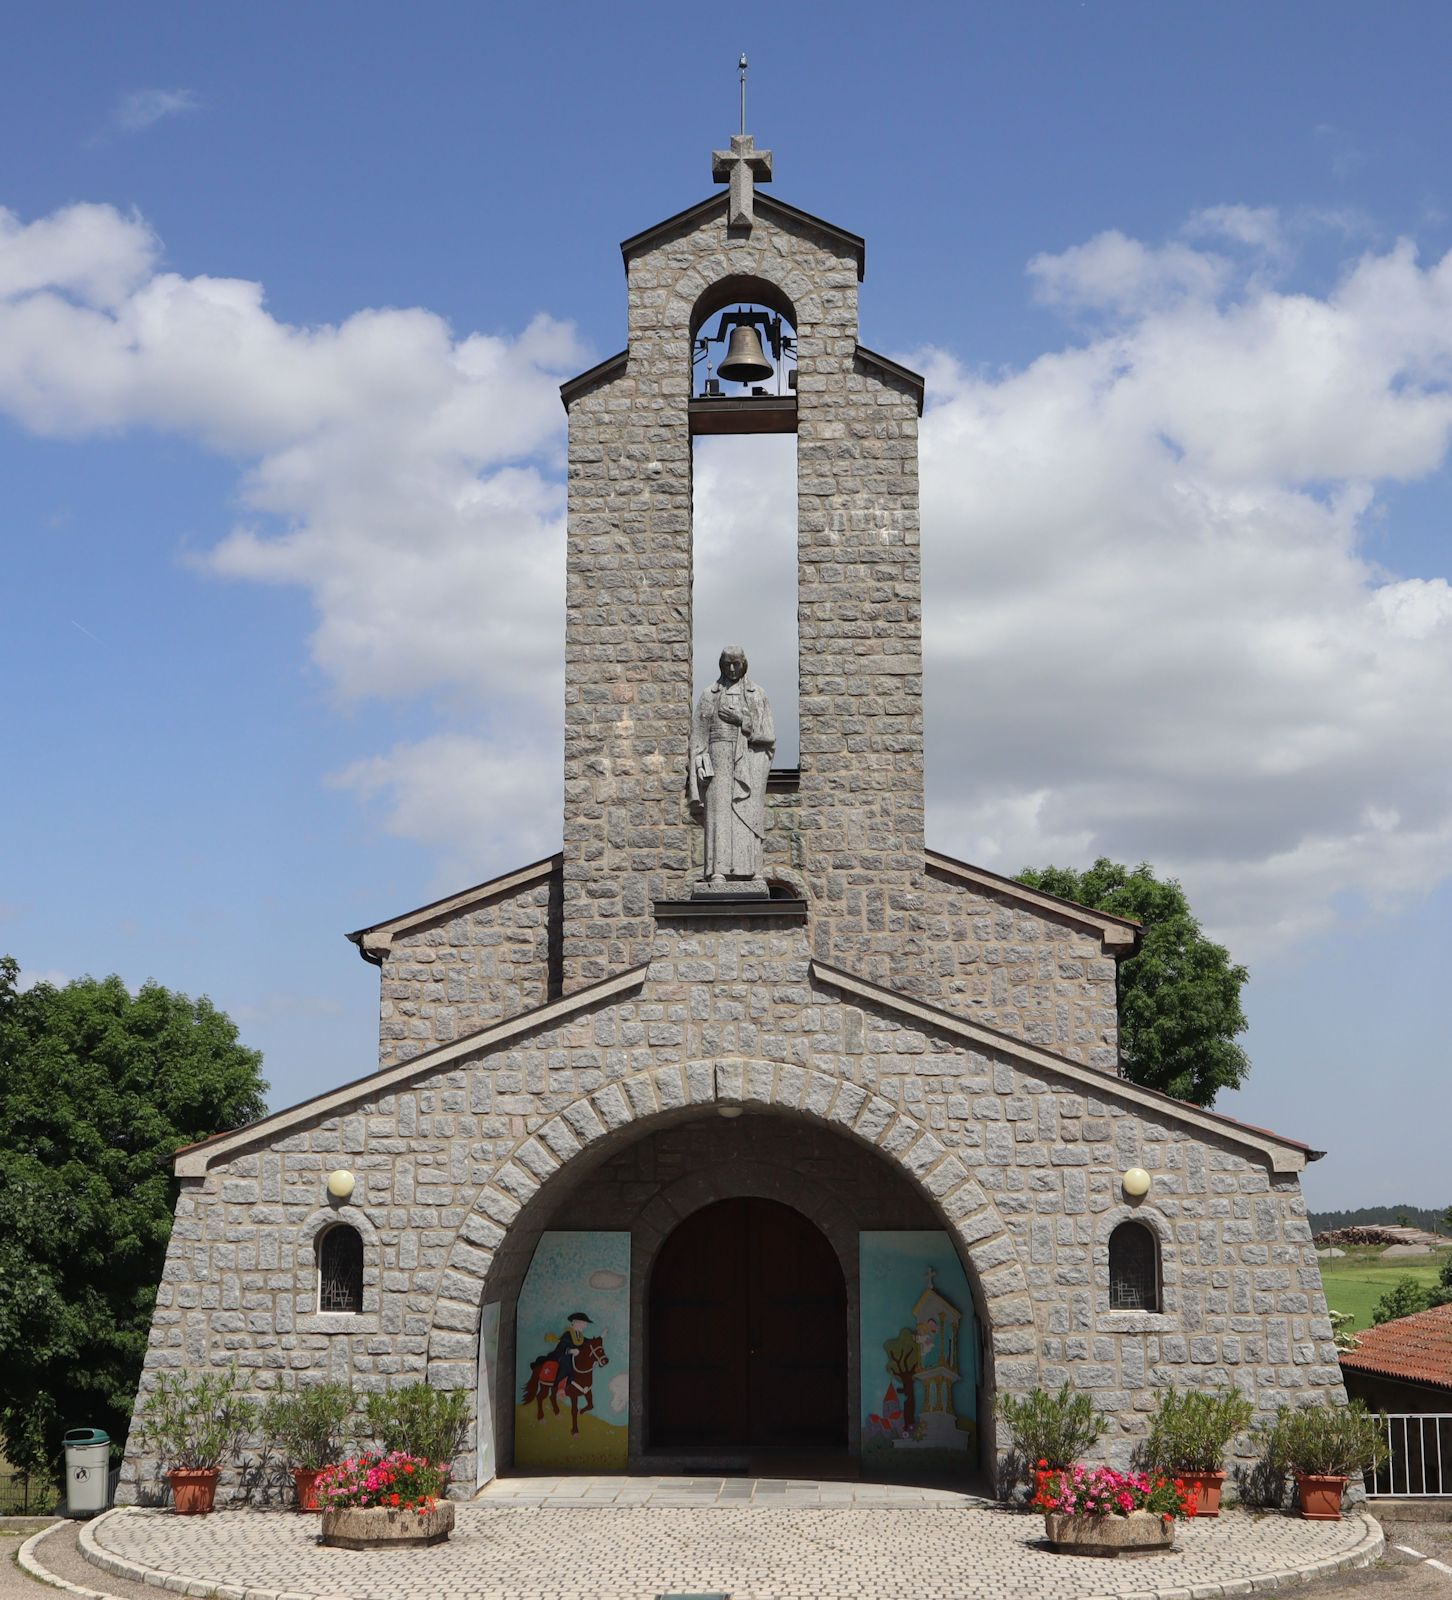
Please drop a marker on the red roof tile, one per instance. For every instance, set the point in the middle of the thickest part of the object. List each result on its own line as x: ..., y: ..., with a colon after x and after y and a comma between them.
x: 1417, y: 1349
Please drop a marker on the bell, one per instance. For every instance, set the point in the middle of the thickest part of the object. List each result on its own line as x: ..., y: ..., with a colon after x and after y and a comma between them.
x: 745, y: 359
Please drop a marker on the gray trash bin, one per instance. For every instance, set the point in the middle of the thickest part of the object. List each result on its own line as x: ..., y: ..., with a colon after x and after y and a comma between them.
x: 88, y: 1471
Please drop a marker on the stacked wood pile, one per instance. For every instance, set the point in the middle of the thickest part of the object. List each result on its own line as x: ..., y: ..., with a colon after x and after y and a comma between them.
x: 1378, y: 1233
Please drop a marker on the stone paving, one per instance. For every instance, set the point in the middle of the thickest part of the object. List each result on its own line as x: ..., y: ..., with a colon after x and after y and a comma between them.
x: 768, y: 1544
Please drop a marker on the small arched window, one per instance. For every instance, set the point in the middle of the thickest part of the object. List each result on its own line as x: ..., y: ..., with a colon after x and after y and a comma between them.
x: 340, y: 1269
x: 1134, y: 1269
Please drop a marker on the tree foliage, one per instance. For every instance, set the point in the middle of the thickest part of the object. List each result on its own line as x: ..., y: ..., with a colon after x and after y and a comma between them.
x: 1405, y: 1298
x: 98, y: 1089
x: 1179, y: 994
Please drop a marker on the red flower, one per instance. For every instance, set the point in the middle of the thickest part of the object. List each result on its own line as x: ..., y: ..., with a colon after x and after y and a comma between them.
x: 394, y: 1499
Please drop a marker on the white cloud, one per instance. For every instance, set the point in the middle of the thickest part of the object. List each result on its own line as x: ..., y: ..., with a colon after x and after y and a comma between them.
x: 142, y: 107
x: 29, y: 978
x: 91, y: 253
x: 467, y: 796
x: 1257, y: 227
x: 1115, y: 273
x: 1153, y: 630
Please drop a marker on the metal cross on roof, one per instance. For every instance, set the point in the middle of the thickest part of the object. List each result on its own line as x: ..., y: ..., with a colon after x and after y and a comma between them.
x: 742, y: 166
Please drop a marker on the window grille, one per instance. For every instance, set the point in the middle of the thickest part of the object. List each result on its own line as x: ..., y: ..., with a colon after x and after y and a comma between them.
x: 340, y: 1269
x: 1134, y: 1279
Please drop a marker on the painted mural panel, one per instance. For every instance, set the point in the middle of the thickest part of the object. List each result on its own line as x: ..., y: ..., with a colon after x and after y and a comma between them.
x: 572, y: 1354
x: 919, y: 1356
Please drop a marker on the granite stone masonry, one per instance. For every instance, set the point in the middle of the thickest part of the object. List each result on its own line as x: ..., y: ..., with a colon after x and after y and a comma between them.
x: 604, y: 1108
x: 896, y: 1041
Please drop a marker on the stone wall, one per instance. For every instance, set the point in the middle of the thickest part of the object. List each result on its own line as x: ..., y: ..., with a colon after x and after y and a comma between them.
x: 629, y: 693
x: 1046, y: 979
x: 448, y: 977
x: 1017, y: 1155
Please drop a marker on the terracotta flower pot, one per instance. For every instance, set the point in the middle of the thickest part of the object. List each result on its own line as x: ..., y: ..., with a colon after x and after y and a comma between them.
x: 1320, y: 1496
x: 1099, y: 1535
x: 193, y: 1490
x: 305, y: 1482
x: 1206, y: 1487
x: 382, y: 1527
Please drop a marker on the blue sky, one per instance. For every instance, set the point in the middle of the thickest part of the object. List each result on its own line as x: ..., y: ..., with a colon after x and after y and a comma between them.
x: 285, y: 296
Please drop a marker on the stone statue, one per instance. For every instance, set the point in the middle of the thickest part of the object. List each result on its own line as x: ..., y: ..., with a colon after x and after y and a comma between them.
x: 732, y: 741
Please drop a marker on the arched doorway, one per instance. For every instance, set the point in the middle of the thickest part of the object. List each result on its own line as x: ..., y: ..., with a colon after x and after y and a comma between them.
x: 748, y: 1337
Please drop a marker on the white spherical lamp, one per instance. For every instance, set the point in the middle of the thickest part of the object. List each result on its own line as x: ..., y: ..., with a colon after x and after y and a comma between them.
x: 340, y: 1183
x: 1136, y: 1183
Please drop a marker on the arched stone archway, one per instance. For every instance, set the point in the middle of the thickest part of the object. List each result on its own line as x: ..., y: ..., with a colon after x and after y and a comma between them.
x: 510, y: 1210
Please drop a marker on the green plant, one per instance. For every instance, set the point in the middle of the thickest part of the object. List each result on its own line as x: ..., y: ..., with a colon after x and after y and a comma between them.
x: 1341, y: 1333
x: 1326, y: 1441
x: 1189, y: 1432
x: 193, y: 1422
x: 1405, y: 1298
x: 310, y: 1424
x: 420, y: 1421
x: 1052, y: 1430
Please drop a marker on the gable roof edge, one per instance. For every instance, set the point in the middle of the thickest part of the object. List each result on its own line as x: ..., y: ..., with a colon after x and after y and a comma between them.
x: 1120, y: 932
x: 374, y: 940
x: 895, y: 369
x: 194, y: 1160
x: 764, y: 202
x: 1284, y: 1155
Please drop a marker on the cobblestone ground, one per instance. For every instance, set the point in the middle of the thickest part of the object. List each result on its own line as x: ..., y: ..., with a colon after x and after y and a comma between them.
x: 755, y: 1551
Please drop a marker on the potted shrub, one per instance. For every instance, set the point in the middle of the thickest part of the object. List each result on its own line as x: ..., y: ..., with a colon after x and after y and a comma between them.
x: 392, y: 1500
x: 194, y: 1424
x: 420, y: 1421
x: 1189, y: 1434
x: 1052, y: 1431
x: 1096, y: 1511
x: 1323, y: 1445
x: 310, y: 1427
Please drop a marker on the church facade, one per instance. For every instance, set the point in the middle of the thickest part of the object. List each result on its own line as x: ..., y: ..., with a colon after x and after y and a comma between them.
x: 677, y: 1173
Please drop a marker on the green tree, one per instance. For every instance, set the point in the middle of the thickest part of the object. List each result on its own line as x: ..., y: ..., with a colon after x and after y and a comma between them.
x: 98, y: 1089
x: 1440, y: 1294
x: 1405, y: 1298
x: 1179, y: 994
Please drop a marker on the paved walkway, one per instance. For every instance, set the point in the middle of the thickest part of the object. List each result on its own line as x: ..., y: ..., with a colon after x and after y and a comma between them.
x: 765, y: 1548
x: 774, y: 1492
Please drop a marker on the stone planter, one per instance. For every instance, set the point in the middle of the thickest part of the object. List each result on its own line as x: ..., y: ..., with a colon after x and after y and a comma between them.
x: 1206, y: 1486
x: 1140, y: 1533
x: 1320, y: 1496
x: 193, y: 1490
x: 305, y: 1483
x: 384, y: 1528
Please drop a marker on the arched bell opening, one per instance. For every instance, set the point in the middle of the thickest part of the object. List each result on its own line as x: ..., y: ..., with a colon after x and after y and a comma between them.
x: 744, y: 346
x: 851, y: 1208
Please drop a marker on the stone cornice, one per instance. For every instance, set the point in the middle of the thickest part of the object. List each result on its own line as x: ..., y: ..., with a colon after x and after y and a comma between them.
x: 1120, y: 934
x: 374, y: 942
x: 194, y: 1160
x: 1284, y: 1155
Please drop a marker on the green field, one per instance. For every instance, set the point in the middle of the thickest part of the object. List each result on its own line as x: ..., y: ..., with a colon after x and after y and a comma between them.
x: 1357, y: 1281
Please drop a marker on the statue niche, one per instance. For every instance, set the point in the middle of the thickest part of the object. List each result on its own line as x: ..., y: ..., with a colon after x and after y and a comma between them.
x: 732, y: 742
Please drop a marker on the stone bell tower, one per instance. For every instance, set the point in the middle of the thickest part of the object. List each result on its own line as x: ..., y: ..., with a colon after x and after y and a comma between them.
x: 849, y: 839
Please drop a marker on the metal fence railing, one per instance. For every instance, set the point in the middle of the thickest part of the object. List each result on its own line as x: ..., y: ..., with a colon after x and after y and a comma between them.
x: 22, y: 1496
x: 1421, y: 1456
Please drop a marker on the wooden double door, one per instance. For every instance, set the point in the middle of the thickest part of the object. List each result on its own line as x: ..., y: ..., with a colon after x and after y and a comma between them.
x: 748, y: 1331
